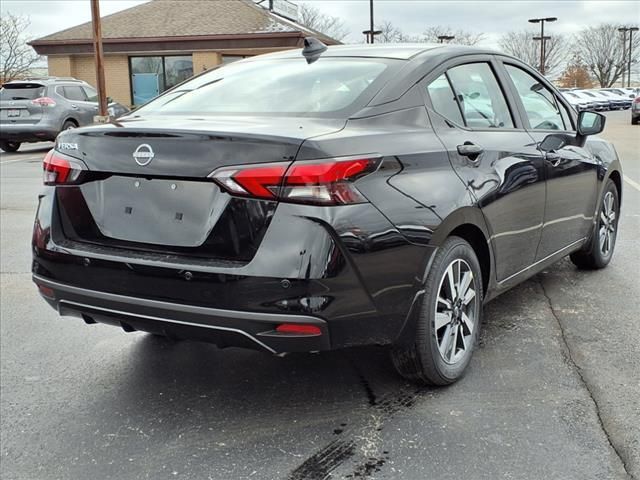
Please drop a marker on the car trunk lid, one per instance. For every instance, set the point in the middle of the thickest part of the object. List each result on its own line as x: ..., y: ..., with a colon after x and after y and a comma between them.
x: 150, y: 187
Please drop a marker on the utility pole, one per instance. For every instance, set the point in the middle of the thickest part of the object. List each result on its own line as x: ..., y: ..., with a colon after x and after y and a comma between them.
x: 631, y: 30
x: 542, y: 38
x: 623, y: 30
x: 99, y: 58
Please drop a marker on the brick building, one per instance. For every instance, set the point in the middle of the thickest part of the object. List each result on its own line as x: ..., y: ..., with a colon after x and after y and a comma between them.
x: 155, y: 45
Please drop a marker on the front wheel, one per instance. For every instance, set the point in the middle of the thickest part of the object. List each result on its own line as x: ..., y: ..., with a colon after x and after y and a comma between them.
x: 600, y: 250
x: 448, y: 327
x: 10, y: 146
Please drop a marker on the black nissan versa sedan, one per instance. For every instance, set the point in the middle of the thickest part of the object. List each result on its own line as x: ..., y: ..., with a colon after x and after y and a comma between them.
x: 322, y: 198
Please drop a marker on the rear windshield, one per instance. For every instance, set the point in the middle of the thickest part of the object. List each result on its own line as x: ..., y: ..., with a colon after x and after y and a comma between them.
x: 21, y: 91
x: 267, y: 87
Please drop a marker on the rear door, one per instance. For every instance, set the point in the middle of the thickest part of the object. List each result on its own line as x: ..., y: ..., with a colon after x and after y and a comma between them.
x: 16, y: 103
x: 494, y: 156
x: 571, y: 170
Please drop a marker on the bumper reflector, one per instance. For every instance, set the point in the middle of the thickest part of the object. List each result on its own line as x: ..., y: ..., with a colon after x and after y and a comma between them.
x: 298, y: 329
x: 46, y: 291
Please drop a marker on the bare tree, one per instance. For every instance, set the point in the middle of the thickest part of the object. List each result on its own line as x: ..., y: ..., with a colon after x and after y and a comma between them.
x: 600, y: 47
x: 522, y: 45
x: 389, y: 33
x: 392, y: 34
x: 462, y: 37
x: 16, y: 57
x: 314, y: 19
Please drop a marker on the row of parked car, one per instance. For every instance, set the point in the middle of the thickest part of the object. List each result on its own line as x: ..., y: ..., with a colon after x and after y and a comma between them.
x: 600, y: 99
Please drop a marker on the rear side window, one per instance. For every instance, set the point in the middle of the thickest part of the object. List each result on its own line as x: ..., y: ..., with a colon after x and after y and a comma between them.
x: 444, y: 100
x: 540, y: 104
x: 74, y: 92
x: 21, y: 91
x: 480, y: 97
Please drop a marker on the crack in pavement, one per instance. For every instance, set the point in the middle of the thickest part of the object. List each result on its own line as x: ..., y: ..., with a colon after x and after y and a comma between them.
x: 572, y: 363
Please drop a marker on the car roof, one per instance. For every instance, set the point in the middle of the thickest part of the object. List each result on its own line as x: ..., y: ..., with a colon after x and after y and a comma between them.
x: 399, y: 51
x: 45, y: 80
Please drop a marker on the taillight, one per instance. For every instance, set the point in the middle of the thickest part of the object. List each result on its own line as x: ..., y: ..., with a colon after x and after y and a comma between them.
x: 637, y: 100
x: 60, y: 169
x: 318, y: 182
x: 44, y: 102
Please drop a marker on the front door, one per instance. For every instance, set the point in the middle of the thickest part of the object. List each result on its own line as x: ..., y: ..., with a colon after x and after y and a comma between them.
x: 571, y: 170
x: 498, y: 161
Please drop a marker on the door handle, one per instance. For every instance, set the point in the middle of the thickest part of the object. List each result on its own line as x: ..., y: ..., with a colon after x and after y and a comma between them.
x: 74, y: 106
x: 553, y: 158
x: 470, y: 150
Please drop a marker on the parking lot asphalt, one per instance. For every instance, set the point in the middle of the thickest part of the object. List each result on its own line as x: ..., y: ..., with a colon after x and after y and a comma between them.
x: 552, y: 393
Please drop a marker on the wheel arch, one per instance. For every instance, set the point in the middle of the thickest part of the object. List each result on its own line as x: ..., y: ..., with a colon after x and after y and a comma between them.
x: 70, y: 119
x: 469, y: 224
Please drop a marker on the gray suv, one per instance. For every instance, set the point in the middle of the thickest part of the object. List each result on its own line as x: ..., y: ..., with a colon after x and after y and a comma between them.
x: 37, y: 109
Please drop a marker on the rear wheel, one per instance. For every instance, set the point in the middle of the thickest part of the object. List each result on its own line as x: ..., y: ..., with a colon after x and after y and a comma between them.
x: 69, y: 125
x: 600, y: 250
x: 448, y: 327
x: 10, y: 146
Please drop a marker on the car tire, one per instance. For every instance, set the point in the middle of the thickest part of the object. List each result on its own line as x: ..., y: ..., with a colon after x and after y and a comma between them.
x: 634, y: 121
x: 448, y: 326
x: 10, y: 146
x: 69, y: 125
x: 603, y: 240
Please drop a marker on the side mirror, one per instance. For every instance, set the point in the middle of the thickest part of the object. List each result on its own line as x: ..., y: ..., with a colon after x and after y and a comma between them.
x: 590, y: 123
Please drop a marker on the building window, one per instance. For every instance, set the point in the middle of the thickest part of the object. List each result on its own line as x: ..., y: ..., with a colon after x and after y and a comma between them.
x: 150, y: 76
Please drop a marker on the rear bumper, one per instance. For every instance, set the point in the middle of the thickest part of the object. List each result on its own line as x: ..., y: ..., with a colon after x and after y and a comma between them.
x: 326, y: 266
x: 10, y: 132
x: 219, y: 326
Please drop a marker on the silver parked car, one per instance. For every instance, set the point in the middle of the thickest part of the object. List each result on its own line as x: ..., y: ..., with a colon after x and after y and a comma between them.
x: 37, y: 109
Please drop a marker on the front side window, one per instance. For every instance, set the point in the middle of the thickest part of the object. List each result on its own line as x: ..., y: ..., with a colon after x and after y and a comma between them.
x: 480, y: 97
x: 285, y: 86
x: 539, y: 102
x: 92, y: 94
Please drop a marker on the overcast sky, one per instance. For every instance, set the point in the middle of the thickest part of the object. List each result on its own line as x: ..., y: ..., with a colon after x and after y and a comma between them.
x: 490, y: 17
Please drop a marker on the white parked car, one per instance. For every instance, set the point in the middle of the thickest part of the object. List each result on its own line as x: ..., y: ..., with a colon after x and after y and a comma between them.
x: 620, y: 101
x: 625, y: 92
x: 577, y: 102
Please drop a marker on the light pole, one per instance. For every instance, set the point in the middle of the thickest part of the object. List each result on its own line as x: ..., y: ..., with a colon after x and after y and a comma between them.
x: 442, y: 38
x: 624, y: 50
x: 370, y: 34
x: 542, y: 37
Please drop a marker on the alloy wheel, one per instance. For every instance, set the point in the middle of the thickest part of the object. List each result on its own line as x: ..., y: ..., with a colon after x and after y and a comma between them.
x: 455, y: 312
x: 607, y: 225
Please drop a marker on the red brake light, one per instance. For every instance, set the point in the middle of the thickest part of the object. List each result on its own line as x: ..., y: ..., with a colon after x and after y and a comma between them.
x: 44, y: 102
x: 299, y: 329
x: 319, y: 182
x: 637, y: 100
x: 59, y: 169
